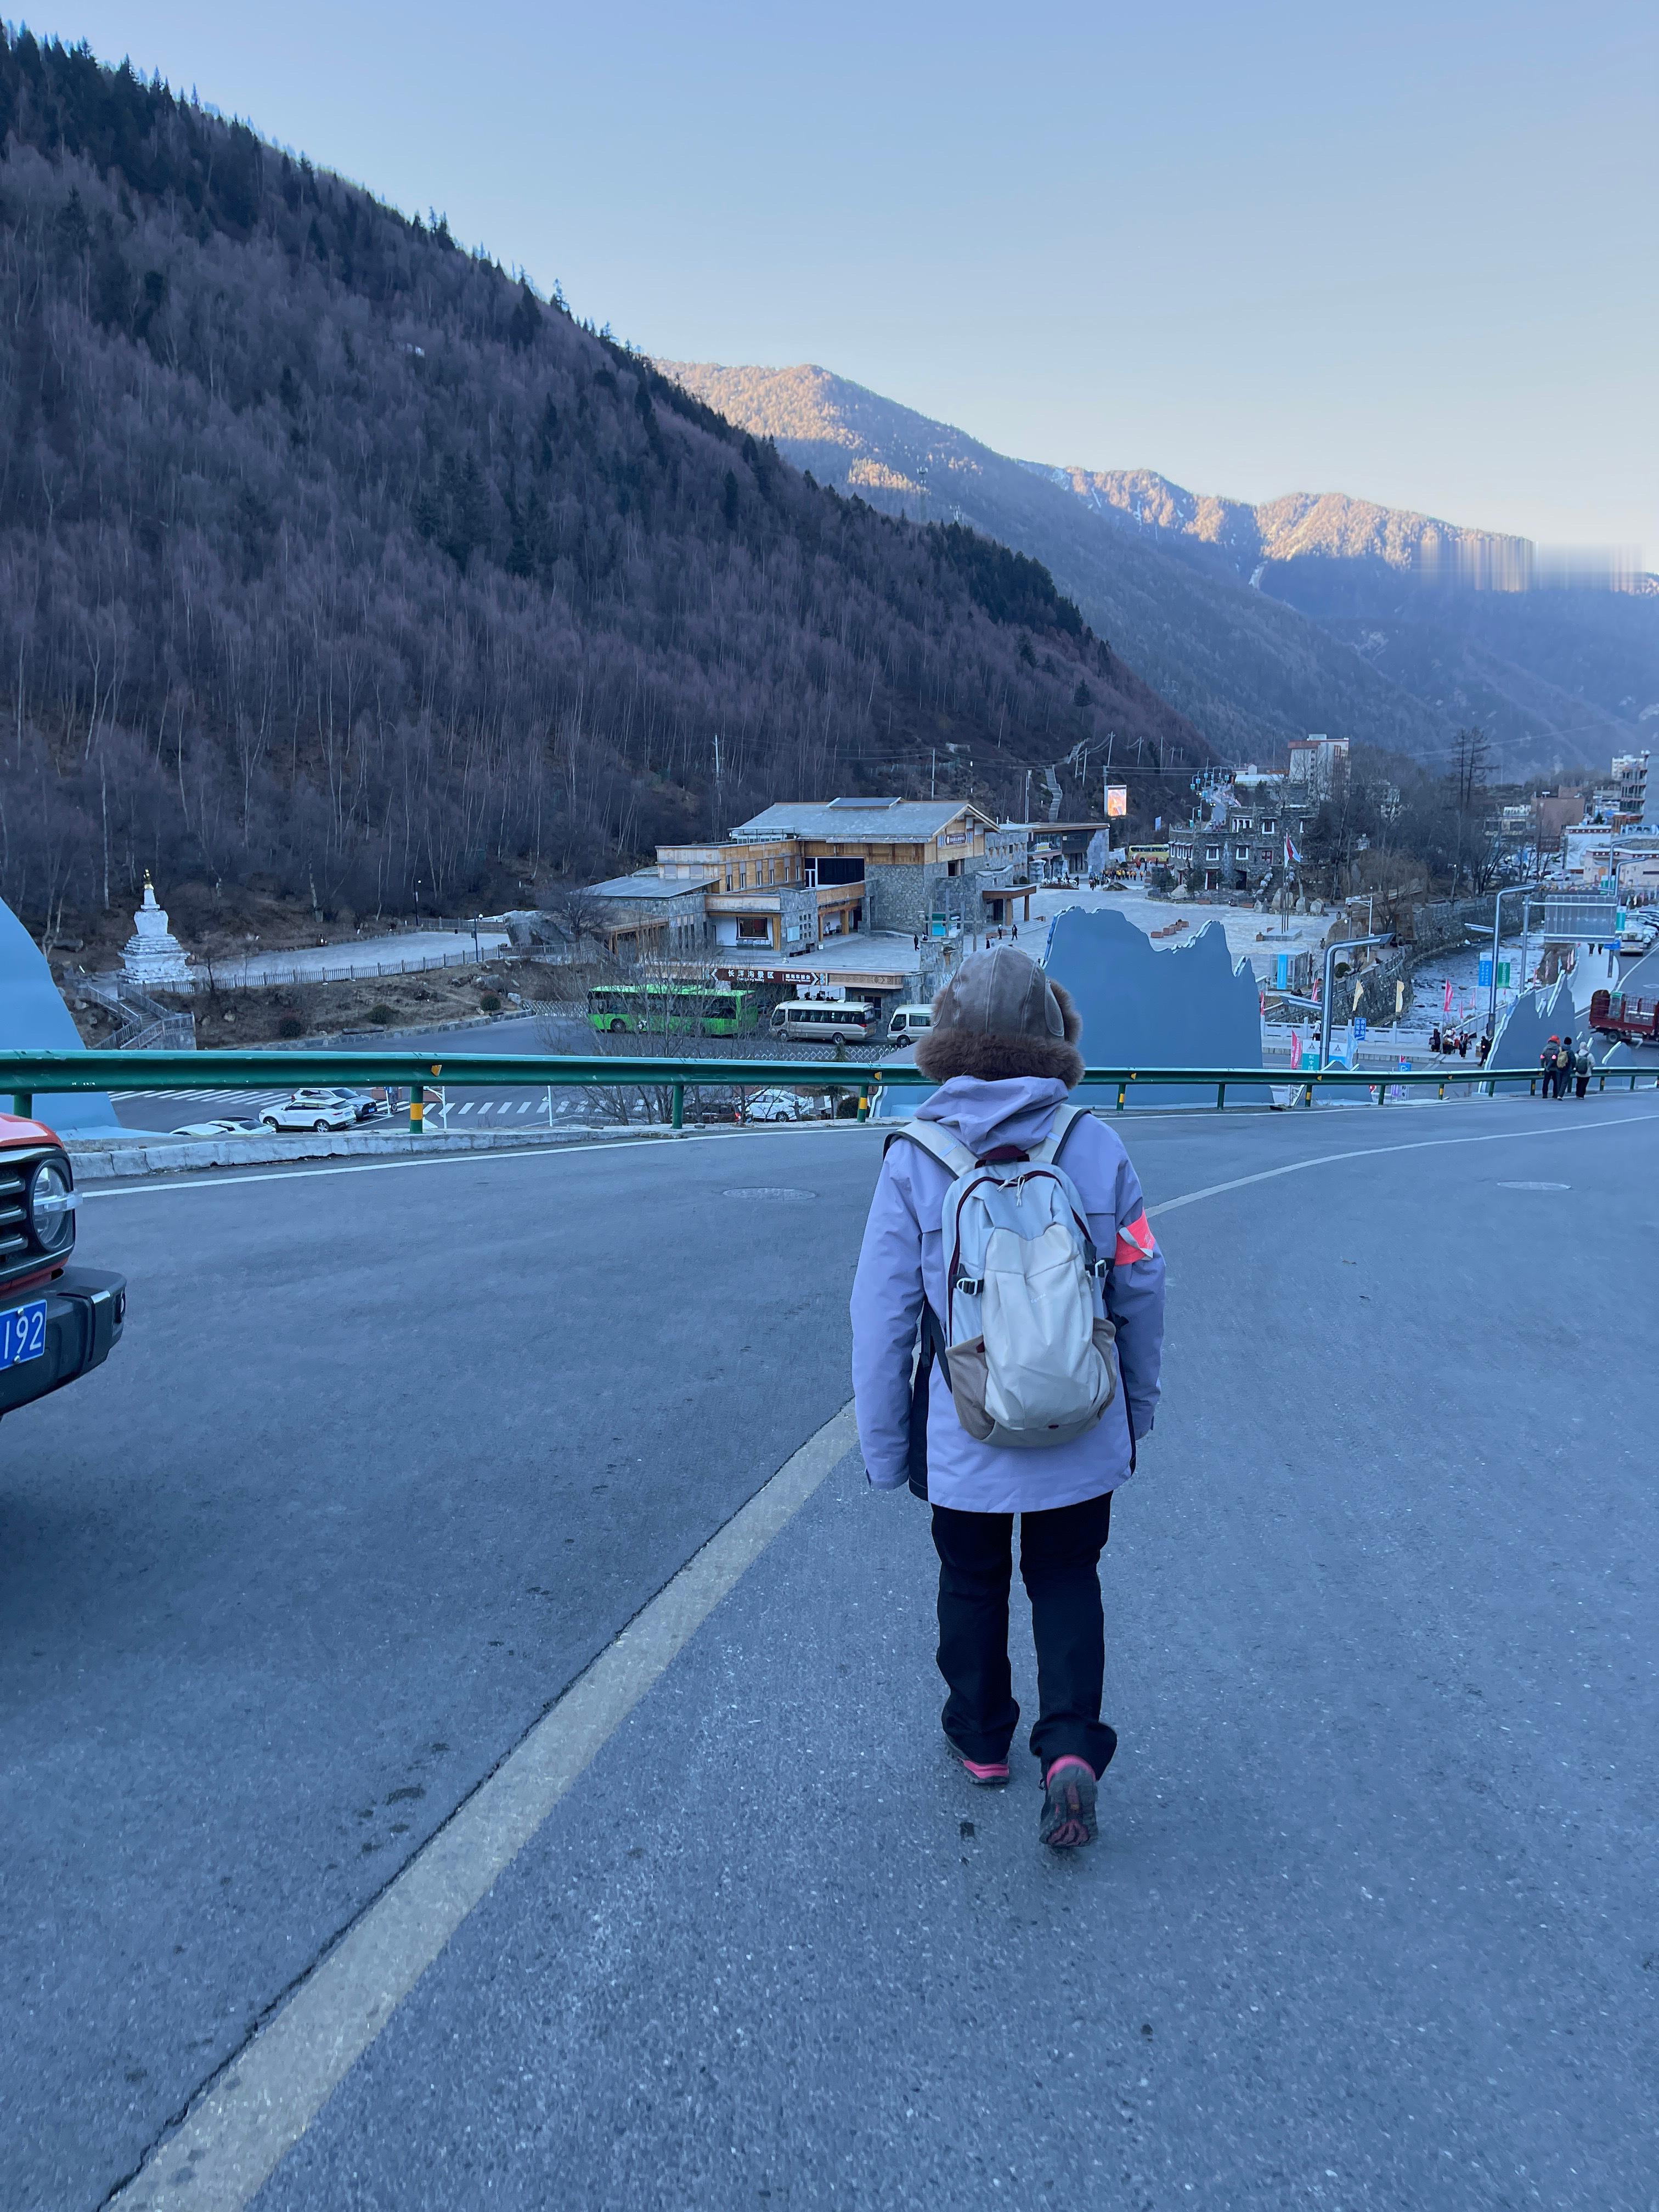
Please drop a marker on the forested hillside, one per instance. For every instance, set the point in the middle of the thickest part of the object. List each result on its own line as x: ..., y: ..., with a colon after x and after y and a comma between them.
x: 1262, y: 623
x: 334, y: 561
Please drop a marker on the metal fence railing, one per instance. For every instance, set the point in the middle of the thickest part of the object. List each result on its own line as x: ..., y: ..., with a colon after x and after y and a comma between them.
x: 25, y: 1073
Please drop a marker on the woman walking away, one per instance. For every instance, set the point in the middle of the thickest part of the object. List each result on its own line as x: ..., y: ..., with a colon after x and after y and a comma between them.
x: 1585, y: 1066
x: 1008, y: 1229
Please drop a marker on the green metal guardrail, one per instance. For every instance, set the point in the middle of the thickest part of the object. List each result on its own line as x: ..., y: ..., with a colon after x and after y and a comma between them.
x: 24, y: 1074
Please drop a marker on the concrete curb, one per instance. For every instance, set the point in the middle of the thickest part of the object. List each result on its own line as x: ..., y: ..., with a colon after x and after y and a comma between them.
x: 110, y: 1158
x: 102, y: 1159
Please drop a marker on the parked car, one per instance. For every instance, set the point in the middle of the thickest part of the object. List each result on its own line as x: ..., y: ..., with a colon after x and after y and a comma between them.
x: 364, y: 1104
x: 909, y: 1022
x: 56, y: 1321
x: 218, y: 1129
x: 777, y: 1105
x: 311, y: 1110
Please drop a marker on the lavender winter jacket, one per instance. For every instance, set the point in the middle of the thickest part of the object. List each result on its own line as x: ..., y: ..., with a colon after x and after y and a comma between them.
x: 901, y: 1261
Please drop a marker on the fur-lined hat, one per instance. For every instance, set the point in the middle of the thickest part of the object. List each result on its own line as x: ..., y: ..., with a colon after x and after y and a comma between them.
x: 1000, y: 1016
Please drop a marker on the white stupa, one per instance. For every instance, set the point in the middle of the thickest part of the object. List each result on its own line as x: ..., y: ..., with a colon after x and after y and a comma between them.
x: 154, y: 955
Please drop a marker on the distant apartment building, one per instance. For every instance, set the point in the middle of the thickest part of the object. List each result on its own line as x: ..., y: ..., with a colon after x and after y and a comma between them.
x: 1630, y: 778
x: 1315, y: 762
x: 1554, y: 810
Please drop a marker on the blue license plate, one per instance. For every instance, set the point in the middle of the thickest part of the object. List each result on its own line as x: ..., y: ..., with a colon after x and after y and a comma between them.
x: 23, y: 1333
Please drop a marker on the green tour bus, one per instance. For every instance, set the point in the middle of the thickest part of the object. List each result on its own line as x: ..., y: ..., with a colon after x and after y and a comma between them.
x: 673, y: 1009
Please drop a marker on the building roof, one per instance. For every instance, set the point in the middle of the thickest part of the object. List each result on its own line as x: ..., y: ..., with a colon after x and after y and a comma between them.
x: 649, y: 885
x: 858, y: 821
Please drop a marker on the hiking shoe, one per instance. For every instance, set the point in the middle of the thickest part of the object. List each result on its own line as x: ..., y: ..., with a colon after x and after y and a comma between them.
x: 988, y: 1773
x: 1068, y: 1805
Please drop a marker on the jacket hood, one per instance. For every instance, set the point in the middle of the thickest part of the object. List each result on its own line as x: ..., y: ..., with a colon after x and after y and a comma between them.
x: 1018, y: 1111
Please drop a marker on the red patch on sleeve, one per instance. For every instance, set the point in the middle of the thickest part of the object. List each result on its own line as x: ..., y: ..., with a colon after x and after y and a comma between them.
x: 1134, y: 1242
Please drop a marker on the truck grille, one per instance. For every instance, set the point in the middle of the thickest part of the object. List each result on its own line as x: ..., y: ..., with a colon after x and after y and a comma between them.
x: 19, y: 1254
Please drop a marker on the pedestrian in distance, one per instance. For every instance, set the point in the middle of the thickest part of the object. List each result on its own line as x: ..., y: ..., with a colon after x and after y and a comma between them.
x: 1008, y: 1232
x: 1564, y: 1062
x: 1546, y: 1063
x: 1434, y: 1039
x: 1585, y: 1067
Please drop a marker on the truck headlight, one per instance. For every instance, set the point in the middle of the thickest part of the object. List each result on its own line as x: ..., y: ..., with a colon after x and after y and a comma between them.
x: 52, y: 1207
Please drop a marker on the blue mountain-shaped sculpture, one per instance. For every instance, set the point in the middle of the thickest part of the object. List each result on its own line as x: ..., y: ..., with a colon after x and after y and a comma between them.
x: 33, y: 1018
x: 1141, y: 1007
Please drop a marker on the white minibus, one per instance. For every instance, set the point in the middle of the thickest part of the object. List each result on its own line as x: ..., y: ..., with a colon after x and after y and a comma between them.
x: 827, y: 1021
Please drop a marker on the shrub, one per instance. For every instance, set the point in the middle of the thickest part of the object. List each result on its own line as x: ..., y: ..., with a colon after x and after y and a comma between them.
x: 290, y: 1026
x: 380, y: 1016
x: 491, y: 1003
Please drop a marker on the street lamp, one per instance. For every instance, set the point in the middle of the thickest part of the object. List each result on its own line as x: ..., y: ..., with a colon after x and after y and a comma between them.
x: 1496, y: 913
x: 1347, y: 944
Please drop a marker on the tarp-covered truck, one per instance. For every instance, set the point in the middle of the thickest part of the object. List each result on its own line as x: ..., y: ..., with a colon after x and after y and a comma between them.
x: 1631, y: 1020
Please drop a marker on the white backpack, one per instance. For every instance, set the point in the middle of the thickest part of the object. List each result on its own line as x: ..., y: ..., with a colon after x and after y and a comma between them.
x: 1028, y: 1346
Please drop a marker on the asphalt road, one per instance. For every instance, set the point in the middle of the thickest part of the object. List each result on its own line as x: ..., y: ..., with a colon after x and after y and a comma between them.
x: 510, y: 1106
x: 386, y: 1458
x: 500, y: 1107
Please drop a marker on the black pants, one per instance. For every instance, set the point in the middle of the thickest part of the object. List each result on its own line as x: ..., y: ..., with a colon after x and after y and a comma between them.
x: 1059, y: 1562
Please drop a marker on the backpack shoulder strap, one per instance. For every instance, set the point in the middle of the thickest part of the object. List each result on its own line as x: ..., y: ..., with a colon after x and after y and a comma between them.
x: 932, y: 1138
x: 1048, y: 1152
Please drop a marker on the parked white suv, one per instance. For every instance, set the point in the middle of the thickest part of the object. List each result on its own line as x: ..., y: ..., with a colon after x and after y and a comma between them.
x: 314, y: 1109
x: 779, y: 1105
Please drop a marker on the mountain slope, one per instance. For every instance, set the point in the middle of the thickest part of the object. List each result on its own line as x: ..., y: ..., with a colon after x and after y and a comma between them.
x: 1559, y: 667
x: 335, y: 561
x: 1248, y: 670
x: 1260, y: 623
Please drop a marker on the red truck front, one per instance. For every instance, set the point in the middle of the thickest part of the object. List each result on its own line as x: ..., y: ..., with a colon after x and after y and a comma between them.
x: 57, y: 1321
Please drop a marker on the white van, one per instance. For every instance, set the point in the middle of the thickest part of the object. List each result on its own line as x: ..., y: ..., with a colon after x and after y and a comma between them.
x: 825, y: 1021
x: 908, y: 1022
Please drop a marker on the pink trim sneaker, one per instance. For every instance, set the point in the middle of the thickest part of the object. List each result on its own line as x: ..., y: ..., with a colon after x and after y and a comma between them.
x: 988, y: 1773
x: 1068, y: 1805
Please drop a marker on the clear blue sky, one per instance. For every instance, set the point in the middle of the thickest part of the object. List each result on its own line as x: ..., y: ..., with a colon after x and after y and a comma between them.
x: 1403, y: 251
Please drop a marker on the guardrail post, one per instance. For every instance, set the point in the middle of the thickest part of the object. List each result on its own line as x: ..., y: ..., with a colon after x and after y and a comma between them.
x: 1220, y: 1096
x: 864, y: 1105
x: 417, y: 1108
x: 1122, y: 1088
x: 23, y: 1104
x: 1307, y: 1094
x: 679, y: 1105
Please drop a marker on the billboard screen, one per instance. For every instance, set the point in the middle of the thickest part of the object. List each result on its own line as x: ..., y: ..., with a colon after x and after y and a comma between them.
x: 1117, y: 801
